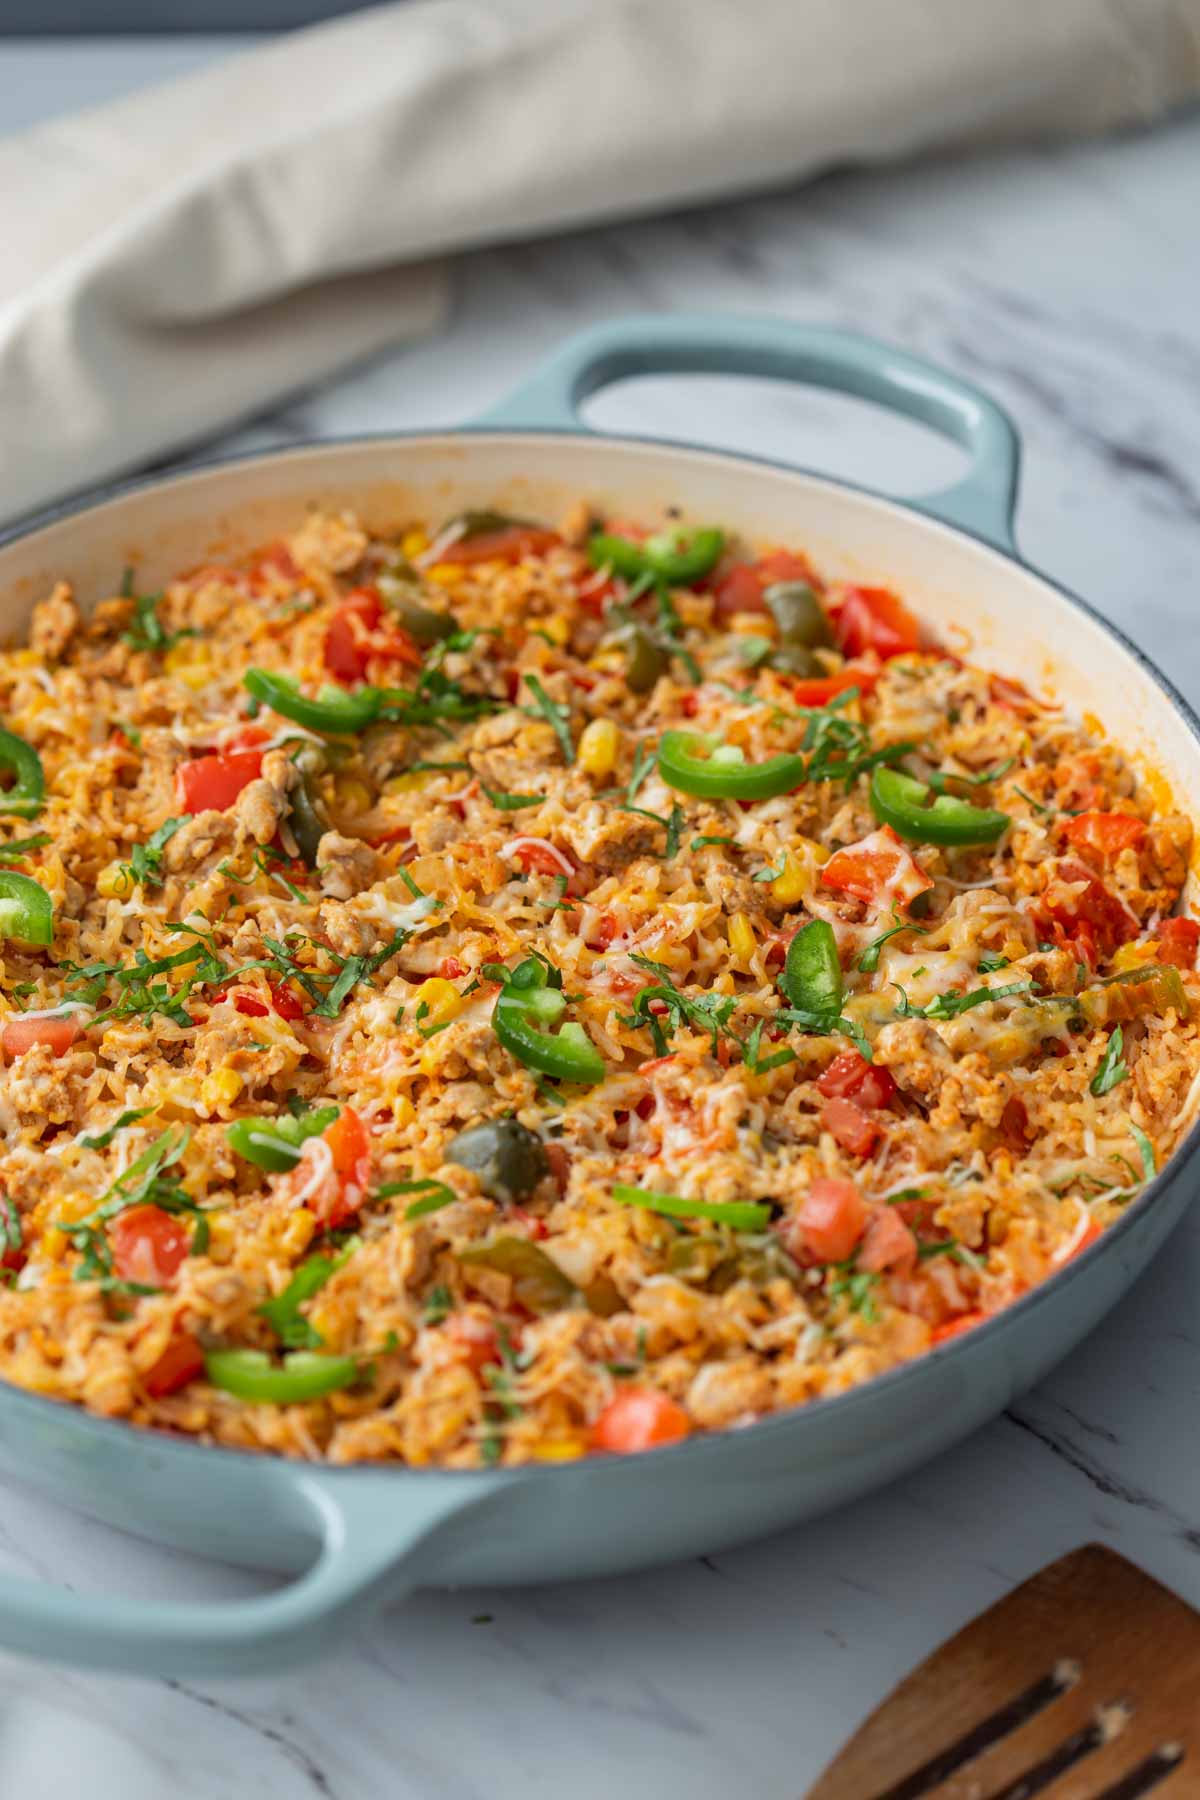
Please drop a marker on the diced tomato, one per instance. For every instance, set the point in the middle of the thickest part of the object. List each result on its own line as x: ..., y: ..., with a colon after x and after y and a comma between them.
x: 360, y: 629
x: 819, y: 691
x: 639, y: 1419
x: 1101, y: 836
x: 829, y: 1222
x: 1014, y: 1122
x: 742, y: 588
x: 511, y: 544
x: 57, y: 1035
x: 595, y: 592
x: 284, y: 1001
x: 180, y: 1362
x: 246, y: 737
x: 351, y: 1148
x: 474, y: 1339
x: 887, y: 1244
x: 854, y: 1129
x: 275, y: 562
x: 1092, y: 911
x: 851, y: 1076
x: 604, y: 931
x: 952, y: 1328
x: 873, y: 618
x: 1177, y: 941
x: 878, y: 868
x: 213, y: 783
x: 530, y: 1224
x: 542, y: 858
x: 148, y: 1245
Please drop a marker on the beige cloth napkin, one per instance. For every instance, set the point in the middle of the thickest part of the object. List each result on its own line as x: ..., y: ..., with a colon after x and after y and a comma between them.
x: 178, y: 259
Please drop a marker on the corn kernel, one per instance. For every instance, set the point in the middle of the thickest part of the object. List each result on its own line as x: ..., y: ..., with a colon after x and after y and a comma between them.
x: 557, y: 629
x: 598, y: 747
x: 608, y: 662
x: 413, y: 543
x: 403, y: 1110
x: 448, y: 575
x: 298, y: 1232
x: 219, y: 1089
x: 742, y: 940
x: 790, y: 887
x: 53, y: 1244
x: 556, y: 1450
x: 1135, y: 956
x: 222, y: 1235
x: 352, y: 795
x: 441, y: 1000
x: 327, y: 1326
x: 409, y: 784
x: 189, y: 661
x: 115, y: 881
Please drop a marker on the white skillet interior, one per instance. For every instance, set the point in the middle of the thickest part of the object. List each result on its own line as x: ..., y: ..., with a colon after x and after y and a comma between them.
x: 978, y: 602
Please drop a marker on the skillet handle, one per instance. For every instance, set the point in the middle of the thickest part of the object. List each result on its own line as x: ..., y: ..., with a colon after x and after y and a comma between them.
x: 730, y: 344
x: 376, y: 1533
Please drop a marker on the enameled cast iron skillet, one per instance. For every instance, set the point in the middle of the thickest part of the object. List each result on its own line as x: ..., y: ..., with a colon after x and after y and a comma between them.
x: 365, y: 1534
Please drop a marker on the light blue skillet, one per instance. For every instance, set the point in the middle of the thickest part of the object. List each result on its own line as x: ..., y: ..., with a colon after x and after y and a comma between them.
x: 364, y: 1535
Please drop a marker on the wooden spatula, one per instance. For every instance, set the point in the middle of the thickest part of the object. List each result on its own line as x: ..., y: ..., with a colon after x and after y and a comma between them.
x: 1082, y: 1685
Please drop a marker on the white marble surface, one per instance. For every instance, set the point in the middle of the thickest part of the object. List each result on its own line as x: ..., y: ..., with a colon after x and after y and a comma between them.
x: 1067, y: 281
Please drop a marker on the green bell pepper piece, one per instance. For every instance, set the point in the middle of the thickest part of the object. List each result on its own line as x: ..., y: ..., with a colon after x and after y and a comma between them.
x: 698, y: 763
x: 303, y: 1375
x: 620, y: 554
x: 334, y: 710
x: 305, y: 820
x: 681, y: 557
x: 526, y: 1002
x: 25, y: 796
x: 912, y: 809
x: 26, y: 910
x: 811, y: 979
x: 275, y: 1144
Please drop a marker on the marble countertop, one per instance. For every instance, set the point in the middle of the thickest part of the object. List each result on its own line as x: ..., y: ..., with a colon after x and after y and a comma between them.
x: 1065, y: 280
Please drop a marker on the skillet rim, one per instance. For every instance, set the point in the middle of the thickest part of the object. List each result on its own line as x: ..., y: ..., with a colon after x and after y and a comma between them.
x: 701, y: 1444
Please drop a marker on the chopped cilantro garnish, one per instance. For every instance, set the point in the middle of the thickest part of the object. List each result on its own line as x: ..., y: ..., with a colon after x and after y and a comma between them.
x: 556, y: 716
x: 145, y: 863
x: 1112, y: 1070
x: 103, y: 1139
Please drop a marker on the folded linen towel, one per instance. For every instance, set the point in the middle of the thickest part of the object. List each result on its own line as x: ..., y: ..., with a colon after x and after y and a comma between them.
x: 181, y: 258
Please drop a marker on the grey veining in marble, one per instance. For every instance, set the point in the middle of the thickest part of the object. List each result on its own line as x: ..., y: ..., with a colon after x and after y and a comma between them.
x: 1067, y: 282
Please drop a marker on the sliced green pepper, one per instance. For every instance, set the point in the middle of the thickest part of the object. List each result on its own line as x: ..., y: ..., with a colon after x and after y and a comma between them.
x: 538, y: 1282
x: 426, y: 624
x: 305, y: 820
x: 912, y: 809
x: 812, y: 974
x: 303, y: 1375
x: 26, y: 909
x: 697, y: 762
x: 530, y: 998
x: 333, y: 710
x: 645, y: 660
x: 797, y: 611
x: 620, y: 554
x: 681, y: 557
x: 25, y: 796
x: 741, y: 1215
x: 275, y: 1144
